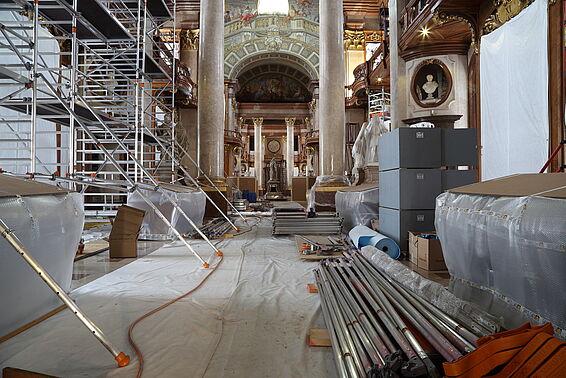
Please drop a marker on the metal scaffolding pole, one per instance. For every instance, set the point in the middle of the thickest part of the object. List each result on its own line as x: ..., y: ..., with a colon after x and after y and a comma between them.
x: 133, y: 185
x: 8, y: 234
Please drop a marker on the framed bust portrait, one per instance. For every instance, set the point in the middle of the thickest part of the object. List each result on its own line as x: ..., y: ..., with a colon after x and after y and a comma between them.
x: 431, y: 83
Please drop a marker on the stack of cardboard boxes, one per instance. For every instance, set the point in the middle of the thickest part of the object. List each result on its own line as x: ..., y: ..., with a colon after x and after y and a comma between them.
x: 413, y: 170
x: 123, y: 238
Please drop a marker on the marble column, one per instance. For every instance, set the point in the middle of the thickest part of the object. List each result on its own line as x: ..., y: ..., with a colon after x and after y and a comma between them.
x: 187, y: 116
x: 397, y: 67
x: 331, y: 101
x: 211, y: 90
x: 258, y: 153
x: 290, y: 122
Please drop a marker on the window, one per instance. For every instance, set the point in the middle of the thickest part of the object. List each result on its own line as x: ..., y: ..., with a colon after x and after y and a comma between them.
x: 273, y: 7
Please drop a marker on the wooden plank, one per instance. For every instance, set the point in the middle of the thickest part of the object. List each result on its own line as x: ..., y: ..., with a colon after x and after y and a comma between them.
x: 319, y: 337
x: 9, y: 372
x: 32, y: 323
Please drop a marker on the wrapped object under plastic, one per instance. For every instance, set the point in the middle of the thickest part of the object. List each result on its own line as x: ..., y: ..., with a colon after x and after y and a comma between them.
x: 50, y: 227
x: 153, y: 228
x: 362, y: 236
x: 466, y: 313
x: 510, y: 248
x: 358, y: 208
x: 325, y: 181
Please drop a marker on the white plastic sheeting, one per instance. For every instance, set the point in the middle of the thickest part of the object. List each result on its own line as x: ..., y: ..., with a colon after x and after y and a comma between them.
x: 357, y: 208
x: 514, y: 95
x: 510, y: 248
x: 323, y: 199
x: 250, y: 318
x: 49, y: 226
x: 467, y: 313
x: 153, y: 228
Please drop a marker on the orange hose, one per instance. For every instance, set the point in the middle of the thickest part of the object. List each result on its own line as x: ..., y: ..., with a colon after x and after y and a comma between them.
x: 135, y: 347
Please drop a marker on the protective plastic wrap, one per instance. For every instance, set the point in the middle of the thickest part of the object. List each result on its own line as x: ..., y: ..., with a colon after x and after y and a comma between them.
x: 467, y: 313
x: 323, y: 199
x: 506, y: 252
x: 153, y: 228
x: 358, y: 208
x: 514, y: 97
x: 49, y: 227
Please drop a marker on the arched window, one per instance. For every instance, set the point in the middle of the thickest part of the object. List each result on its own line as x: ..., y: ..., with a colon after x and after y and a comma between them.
x: 273, y: 7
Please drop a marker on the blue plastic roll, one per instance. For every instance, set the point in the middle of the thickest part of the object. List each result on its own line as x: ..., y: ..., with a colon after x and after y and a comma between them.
x: 362, y: 236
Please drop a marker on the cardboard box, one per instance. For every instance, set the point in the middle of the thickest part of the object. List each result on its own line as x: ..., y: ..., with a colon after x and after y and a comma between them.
x: 428, y: 251
x: 413, y: 247
x: 123, y: 237
x: 123, y: 248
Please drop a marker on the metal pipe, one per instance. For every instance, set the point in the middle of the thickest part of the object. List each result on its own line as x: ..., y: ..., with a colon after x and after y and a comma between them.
x: 348, y: 307
x: 8, y: 234
x: 443, y: 345
x: 343, y: 324
x: 336, y: 344
x: 363, y: 315
x: 419, y: 363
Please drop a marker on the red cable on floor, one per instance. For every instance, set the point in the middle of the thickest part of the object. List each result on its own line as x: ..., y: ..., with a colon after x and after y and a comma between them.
x: 135, y: 347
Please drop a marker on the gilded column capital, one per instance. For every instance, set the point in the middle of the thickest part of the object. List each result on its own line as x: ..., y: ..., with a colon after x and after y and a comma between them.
x: 189, y: 39
x: 258, y: 121
x: 290, y: 122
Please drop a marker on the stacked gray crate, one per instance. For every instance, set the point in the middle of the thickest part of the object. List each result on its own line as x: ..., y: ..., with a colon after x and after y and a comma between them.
x: 410, y: 177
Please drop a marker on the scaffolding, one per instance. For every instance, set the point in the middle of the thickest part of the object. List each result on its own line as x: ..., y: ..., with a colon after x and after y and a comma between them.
x: 379, y: 104
x: 88, y: 88
x: 112, y: 65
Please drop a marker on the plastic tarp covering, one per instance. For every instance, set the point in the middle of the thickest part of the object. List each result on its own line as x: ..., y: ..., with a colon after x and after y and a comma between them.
x: 514, y: 96
x: 468, y: 314
x: 512, y: 249
x: 153, y: 228
x: 325, y: 181
x: 49, y: 227
x: 358, y: 208
x: 249, y: 319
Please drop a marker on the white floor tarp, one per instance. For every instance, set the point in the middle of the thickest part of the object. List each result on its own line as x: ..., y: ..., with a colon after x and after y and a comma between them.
x: 250, y: 319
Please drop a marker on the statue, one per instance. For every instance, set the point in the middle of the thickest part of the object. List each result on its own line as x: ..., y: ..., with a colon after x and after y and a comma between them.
x: 430, y: 87
x: 238, y: 168
x: 273, y: 170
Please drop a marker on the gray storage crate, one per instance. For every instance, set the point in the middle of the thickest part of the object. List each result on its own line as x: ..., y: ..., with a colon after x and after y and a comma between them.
x: 407, y: 147
x: 459, y: 147
x: 397, y: 223
x: 410, y: 189
x: 453, y: 178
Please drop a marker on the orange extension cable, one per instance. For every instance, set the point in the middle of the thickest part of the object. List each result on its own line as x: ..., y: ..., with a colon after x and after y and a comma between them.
x: 137, y: 350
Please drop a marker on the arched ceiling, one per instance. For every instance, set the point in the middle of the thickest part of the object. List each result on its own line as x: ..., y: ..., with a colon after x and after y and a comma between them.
x: 273, y: 82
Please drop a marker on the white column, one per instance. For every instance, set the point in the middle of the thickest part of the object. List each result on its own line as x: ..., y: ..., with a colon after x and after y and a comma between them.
x: 258, y: 152
x: 332, y: 106
x: 211, y: 89
x: 290, y: 122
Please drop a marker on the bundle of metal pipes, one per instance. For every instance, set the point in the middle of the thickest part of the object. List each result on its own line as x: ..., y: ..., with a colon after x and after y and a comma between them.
x: 216, y: 228
x: 379, y: 329
x: 298, y: 222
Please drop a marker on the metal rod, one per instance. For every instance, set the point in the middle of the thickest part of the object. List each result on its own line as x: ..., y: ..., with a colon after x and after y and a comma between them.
x: 132, y: 183
x: 9, y: 235
x: 339, y: 354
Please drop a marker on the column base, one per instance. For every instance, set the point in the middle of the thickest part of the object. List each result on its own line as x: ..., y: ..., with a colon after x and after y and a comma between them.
x: 323, y: 193
x: 210, y: 211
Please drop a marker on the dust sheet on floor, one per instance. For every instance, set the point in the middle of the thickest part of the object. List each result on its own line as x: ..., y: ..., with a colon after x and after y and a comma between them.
x: 251, y: 318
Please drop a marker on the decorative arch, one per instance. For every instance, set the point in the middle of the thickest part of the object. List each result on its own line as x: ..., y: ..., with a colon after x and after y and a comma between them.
x: 306, y: 62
